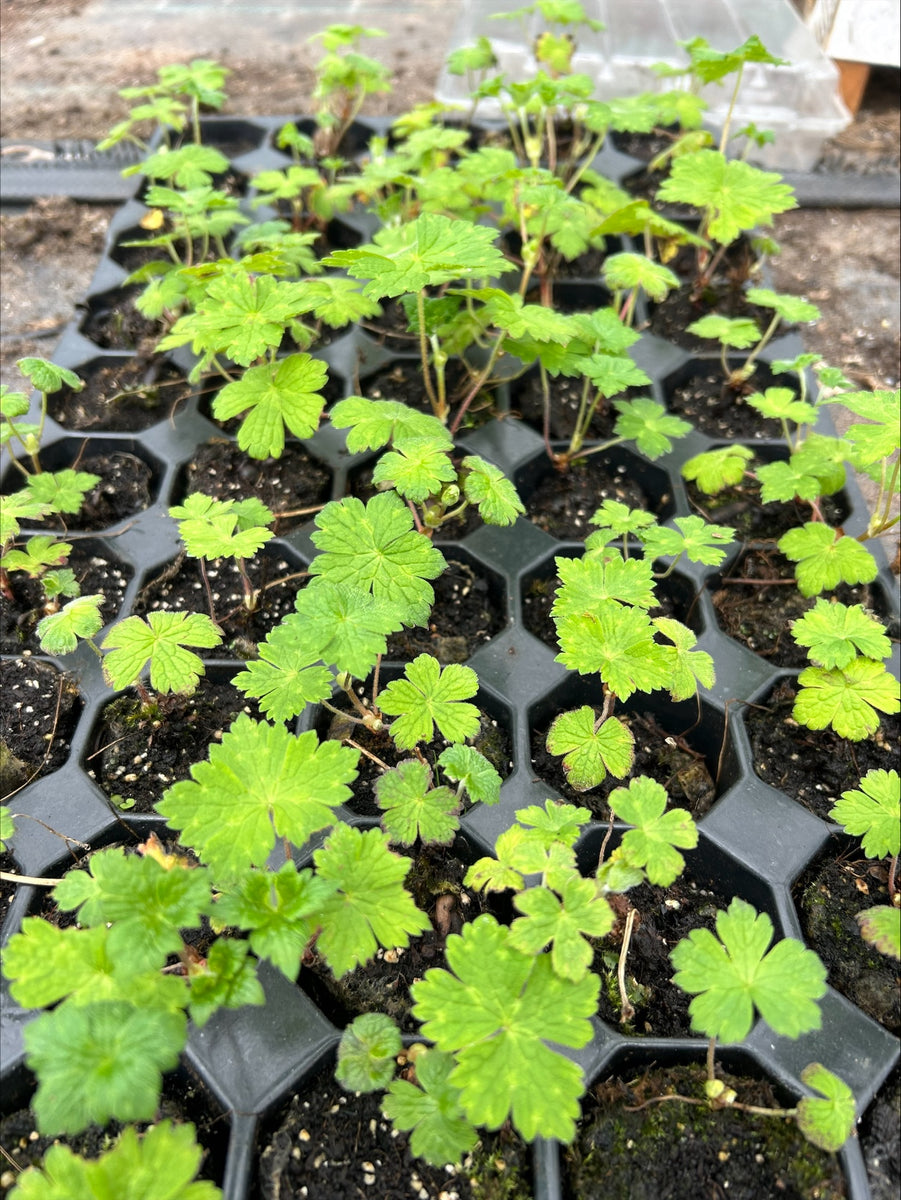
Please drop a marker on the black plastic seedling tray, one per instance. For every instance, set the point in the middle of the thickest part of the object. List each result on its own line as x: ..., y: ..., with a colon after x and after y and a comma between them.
x: 754, y: 840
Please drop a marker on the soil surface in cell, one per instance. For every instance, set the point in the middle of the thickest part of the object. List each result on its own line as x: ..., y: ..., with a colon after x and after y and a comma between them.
x: 628, y: 1147
x: 666, y: 755
x: 466, y: 614
x: 663, y: 917
x: 760, y: 612
x: 124, y: 488
x: 563, y: 502
x: 180, y: 588
x: 403, y: 382
x: 829, y: 895
x: 740, y: 508
x: 95, y: 573
x: 335, y: 1145
x: 293, y: 481
x: 813, y: 766
x: 37, y: 719
x: 724, y: 297
x: 720, y: 410
x: 565, y: 400
x: 114, y: 323
x: 435, y: 881
x: 880, y: 1139
x: 139, y: 749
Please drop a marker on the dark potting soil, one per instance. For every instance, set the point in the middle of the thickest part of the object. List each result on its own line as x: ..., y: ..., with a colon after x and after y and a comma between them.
x: 741, y: 509
x: 129, y: 395
x: 814, y: 767
x: 565, y: 398
x: 467, y: 613
x: 125, y: 488
x: 40, y: 710
x: 760, y: 614
x: 334, y: 1145
x: 677, y: 1151
x: 671, y: 317
x: 493, y: 741
x: 644, y: 185
x: 112, y: 322
x: 666, y: 755
x: 179, y: 588
x: 131, y: 257
x: 294, y: 481
x: 563, y: 501
x: 391, y: 328
x: 184, y: 1099
x: 403, y: 382
x: 713, y: 407
x: 383, y: 984
x: 538, y: 599
x: 138, y: 750
x: 664, y: 917
x: 644, y: 146
x: 95, y: 572
x: 840, y: 884
x: 880, y: 1139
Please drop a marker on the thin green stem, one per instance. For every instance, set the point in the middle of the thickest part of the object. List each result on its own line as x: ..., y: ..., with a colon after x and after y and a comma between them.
x: 440, y: 413
x: 727, y: 123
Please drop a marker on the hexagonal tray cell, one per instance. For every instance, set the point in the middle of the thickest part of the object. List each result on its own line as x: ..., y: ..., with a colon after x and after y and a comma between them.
x: 561, y: 503
x: 41, y: 707
x: 812, y: 766
x: 470, y: 609
x: 296, y: 483
x: 585, y: 269
x: 97, y: 571
x: 112, y: 322
x: 629, y: 1145
x: 840, y: 884
x: 686, y: 747
x: 756, y: 599
x: 130, y: 257
x: 354, y: 143
x: 677, y: 594
x: 565, y: 399
x: 402, y: 381
x: 231, y: 136
x: 698, y: 391
x: 740, y: 507
x: 435, y: 881
x: 276, y: 574
x: 127, y: 394
x: 707, y: 885
x: 494, y: 739
x: 185, y: 1098
x: 318, y: 1142
x: 129, y: 480
x: 137, y: 747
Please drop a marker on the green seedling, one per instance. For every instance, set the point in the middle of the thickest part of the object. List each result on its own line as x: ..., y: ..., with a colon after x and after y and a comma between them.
x: 367, y: 1052
x: 742, y: 333
x: 873, y: 813
x: 734, y: 974
x: 213, y: 529
x: 344, y: 78
x: 175, y: 100
x: 47, y: 378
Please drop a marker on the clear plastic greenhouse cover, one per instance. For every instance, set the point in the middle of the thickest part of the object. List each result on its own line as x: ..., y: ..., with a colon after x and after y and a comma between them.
x: 799, y: 102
